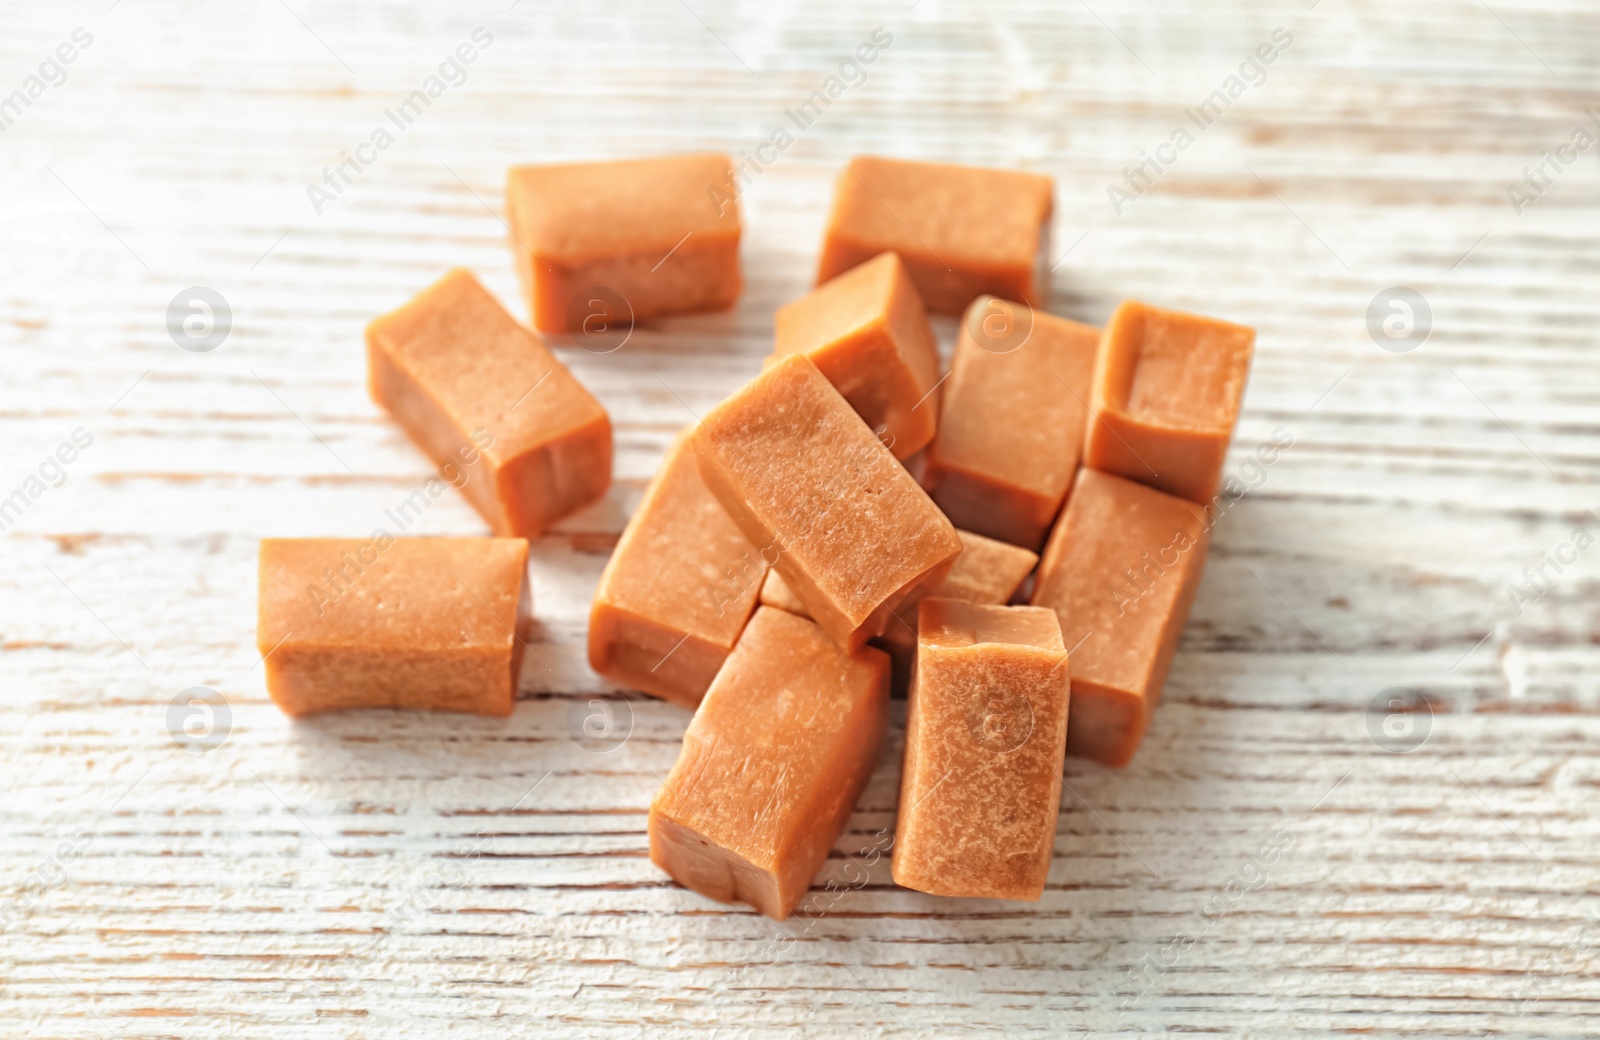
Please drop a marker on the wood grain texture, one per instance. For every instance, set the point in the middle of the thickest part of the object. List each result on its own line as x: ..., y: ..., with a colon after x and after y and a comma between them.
x: 389, y: 875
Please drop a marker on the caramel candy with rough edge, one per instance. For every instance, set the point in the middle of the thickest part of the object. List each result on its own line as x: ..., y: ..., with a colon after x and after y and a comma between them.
x: 435, y: 623
x: 797, y: 469
x: 600, y: 245
x: 1166, y: 398
x: 962, y: 230
x: 775, y: 592
x: 1011, y: 426
x: 867, y: 332
x: 1120, y: 570
x: 986, y: 572
x: 677, y: 590
x: 986, y: 732
x: 772, y: 765
x: 505, y: 421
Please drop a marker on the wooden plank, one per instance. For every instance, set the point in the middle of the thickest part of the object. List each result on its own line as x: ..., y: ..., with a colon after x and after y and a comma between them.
x: 388, y: 874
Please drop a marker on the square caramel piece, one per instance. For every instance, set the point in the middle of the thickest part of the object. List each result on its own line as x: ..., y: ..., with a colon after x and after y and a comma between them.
x: 600, y: 245
x: 986, y: 732
x: 1011, y: 423
x: 867, y: 332
x: 383, y: 622
x: 677, y: 591
x: 1120, y: 570
x: 503, y: 418
x: 772, y: 765
x: 775, y: 592
x: 962, y: 230
x: 1166, y: 398
x: 848, y: 528
x: 987, y: 572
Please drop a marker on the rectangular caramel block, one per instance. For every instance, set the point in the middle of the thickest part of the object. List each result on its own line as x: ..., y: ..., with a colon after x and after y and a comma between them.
x: 867, y: 332
x: 1166, y: 398
x: 986, y: 732
x: 987, y: 572
x: 961, y: 230
x: 775, y: 592
x: 1120, y: 571
x: 505, y: 421
x: 797, y: 469
x: 1011, y: 425
x: 678, y: 589
x: 772, y: 765
x: 384, y: 622
x: 600, y: 245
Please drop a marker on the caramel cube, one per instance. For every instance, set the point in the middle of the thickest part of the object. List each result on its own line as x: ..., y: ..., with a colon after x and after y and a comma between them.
x: 851, y: 532
x: 987, y: 572
x: 775, y: 592
x: 1120, y: 570
x: 961, y: 230
x: 772, y: 764
x: 505, y: 421
x: 677, y: 591
x: 1166, y: 398
x: 867, y: 333
x: 435, y: 623
x: 986, y: 732
x: 602, y: 244
x: 1011, y: 426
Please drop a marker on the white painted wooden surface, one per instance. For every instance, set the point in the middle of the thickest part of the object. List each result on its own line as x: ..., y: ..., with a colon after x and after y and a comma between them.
x: 407, y: 875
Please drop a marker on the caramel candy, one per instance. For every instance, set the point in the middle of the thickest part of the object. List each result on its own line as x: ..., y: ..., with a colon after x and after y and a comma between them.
x: 775, y: 592
x: 1012, y: 422
x: 1120, y: 571
x: 961, y: 230
x: 986, y: 732
x: 506, y: 422
x: 867, y: 333
x: 772, y: 764
x: 433, y: 623
x: 986, y: 572
x: 1166, y: 398
x: 602, y: 244
x: 677, y: 591
x: 853, y: 534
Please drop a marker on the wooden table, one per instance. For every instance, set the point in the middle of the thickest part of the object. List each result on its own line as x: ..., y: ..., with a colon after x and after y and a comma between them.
x: 1267, y: 867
